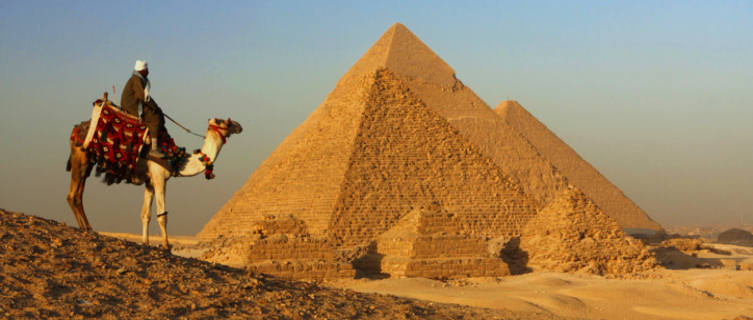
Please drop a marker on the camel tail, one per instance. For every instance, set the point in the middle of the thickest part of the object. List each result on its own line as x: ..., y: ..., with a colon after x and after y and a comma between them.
x: 68, y: 164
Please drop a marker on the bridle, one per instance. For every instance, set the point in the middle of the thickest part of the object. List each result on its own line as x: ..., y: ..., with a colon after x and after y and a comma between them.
x: 209, y: 164
x: 219, y: 130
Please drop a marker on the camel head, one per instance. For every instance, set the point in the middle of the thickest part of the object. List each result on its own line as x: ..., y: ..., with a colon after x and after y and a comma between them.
x: 232, y: 127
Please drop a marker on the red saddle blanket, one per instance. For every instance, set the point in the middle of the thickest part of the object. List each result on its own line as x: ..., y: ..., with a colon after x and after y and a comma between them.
x: 117, y: 142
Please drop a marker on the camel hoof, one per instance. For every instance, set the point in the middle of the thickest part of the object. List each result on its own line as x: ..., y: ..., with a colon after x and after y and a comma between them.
x: 167, y: 248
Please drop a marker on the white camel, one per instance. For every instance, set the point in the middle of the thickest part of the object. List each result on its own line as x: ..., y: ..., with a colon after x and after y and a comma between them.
x: 154, y: 175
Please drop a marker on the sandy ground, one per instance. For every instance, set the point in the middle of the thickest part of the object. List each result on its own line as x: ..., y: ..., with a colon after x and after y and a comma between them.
x: 52, y: 271
x: 684, y: 292
x: 679, y: 294
x: 688, y: 293
x: 184, y: 246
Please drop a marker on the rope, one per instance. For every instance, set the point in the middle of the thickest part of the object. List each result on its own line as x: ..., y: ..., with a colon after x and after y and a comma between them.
x: 182, y: 127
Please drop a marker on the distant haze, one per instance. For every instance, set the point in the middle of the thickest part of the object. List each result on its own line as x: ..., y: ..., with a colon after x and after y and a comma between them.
x: 655, y: 95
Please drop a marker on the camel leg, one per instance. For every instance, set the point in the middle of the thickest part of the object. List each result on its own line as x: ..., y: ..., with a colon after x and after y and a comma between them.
x: 72, y: 194
x: 159, y: 189
x: 78, y: 168
x: 146, y: 211
x: 80, y: 199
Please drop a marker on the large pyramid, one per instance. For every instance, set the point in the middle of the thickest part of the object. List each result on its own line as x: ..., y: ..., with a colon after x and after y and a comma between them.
x: 578, y: 171
x: 434, y: 82
x: 372, y: 152
x: 398, y: 132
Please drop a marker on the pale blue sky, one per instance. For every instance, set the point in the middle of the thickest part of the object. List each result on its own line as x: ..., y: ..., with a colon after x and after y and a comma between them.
x: 656, y: 95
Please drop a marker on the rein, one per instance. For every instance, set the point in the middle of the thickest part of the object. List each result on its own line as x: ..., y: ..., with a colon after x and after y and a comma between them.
x: 182, y: 127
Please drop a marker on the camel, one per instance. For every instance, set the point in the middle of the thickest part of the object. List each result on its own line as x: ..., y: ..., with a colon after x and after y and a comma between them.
x: 153, y: 174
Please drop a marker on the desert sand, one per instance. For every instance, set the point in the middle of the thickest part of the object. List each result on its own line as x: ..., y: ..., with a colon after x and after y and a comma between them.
x: 673, y: 294
x: 52, y: 271
x: 696, y: 283
x: 679, y: 291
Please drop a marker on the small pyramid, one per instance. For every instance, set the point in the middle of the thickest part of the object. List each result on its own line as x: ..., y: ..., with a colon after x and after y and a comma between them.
x: 428, y: 243
x: 578, y: 171
x: 571, y: 234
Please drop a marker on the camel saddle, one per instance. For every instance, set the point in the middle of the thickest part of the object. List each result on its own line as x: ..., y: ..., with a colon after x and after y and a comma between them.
x: 113, y: 140
x: 117, y: 142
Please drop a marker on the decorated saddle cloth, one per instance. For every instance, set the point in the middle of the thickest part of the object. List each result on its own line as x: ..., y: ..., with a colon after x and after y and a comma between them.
x: 114, y: 141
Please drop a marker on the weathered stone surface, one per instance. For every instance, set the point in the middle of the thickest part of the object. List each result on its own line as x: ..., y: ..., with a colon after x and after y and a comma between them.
x: 578, y: 171
x: 729, y: 264
x: 687, y: 246
x: 444, y: 268
x: 406, y: 156
x: 398, y: 132
x: 380, y: 134
x: 572, y: 235
x: 282, y: 247
x: 403, y: 156
x: 428, y: 243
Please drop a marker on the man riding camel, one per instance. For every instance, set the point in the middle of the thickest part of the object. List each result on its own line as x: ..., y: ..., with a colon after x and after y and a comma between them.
x: 135, y: 95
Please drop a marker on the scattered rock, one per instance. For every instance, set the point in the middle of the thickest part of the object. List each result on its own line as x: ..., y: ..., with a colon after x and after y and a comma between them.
x: 686, y: 245
x: 729, y: 264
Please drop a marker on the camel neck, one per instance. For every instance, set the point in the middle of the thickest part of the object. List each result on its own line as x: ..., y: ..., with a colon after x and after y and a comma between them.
x: 211, y: 148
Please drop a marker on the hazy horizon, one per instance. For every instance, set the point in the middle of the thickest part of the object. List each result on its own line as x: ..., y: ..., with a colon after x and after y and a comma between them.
x: 655, y: 95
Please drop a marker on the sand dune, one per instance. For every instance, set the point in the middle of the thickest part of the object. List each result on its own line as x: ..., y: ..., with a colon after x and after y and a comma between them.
x: 673, y: 294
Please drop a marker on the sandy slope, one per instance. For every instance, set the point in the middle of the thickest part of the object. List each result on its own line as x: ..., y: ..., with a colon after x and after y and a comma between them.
x: 51, y: 271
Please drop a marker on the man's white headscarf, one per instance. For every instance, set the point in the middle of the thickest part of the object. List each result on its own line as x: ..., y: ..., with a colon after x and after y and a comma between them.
x: 141, y: 65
